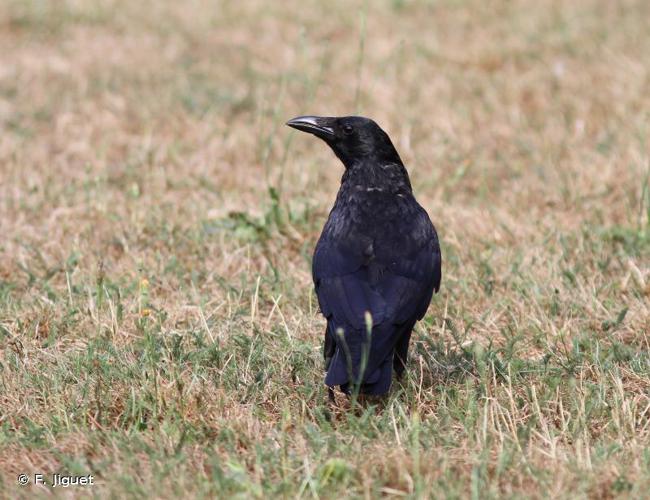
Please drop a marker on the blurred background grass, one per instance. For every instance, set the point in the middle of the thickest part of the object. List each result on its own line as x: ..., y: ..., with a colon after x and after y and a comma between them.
x: 157, y: 322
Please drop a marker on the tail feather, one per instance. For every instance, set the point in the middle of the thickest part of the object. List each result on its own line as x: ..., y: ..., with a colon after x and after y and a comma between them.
x: 376, y: 385
x: 346, y: 363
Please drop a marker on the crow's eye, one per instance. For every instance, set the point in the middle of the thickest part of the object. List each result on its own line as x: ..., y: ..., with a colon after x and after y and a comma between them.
x: 347, y: 129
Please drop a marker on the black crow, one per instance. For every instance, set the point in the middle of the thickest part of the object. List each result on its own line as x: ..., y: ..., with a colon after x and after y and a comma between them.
x: 377, y: 262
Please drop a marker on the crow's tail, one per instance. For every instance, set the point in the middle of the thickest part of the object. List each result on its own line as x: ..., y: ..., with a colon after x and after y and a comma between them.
x: 365, y: 359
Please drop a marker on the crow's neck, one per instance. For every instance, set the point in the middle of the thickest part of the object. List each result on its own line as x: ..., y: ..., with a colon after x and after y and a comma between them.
x: 372, y: 176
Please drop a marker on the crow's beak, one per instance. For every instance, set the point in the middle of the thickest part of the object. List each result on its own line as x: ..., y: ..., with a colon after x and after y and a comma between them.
x: 318, y: 125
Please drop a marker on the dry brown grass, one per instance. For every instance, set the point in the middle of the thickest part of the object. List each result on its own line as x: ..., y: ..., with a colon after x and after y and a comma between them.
x: 157, y: 322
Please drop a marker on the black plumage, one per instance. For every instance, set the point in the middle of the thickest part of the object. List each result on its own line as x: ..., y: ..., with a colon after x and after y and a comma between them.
x: 377, y: 260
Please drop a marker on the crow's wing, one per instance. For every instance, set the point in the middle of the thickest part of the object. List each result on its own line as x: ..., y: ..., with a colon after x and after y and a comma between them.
x: 394, y: 282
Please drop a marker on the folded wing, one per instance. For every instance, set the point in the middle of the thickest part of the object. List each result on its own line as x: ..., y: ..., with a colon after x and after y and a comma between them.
x: 394, y: 283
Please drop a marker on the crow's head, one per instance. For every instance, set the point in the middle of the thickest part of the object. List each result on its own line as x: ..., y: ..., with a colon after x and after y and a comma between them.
x: 353, y: 139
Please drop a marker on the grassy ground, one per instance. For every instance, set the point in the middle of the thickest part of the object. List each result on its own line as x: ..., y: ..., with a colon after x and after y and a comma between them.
x: 158, y: 327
